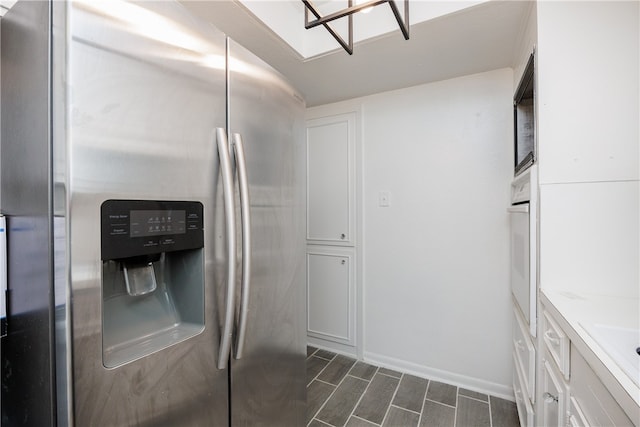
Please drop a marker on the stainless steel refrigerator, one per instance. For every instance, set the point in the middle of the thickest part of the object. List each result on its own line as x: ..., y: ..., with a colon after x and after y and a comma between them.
x: 153, y: 184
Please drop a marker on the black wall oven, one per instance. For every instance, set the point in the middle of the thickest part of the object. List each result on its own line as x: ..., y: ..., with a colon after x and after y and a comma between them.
x: 524, y: 120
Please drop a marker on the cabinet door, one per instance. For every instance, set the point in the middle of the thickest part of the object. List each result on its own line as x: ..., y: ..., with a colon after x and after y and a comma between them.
x: 330, y: 295
x: 331, y: 180
x: 553, y: 395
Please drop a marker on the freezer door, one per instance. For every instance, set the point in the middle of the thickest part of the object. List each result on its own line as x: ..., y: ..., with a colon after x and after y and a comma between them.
x: 147, y: 92
x: 27, y: 373
x: 268, y: 381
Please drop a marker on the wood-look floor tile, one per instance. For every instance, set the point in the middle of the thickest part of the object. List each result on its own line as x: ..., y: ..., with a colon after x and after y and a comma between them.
x: 442, y: 393
x: 377, y: 398
x: 317, y: 393
x: 437, y: 415
x: 471, y: 412
x: 314, y: 366
x: 336, y: 369
x: 398, y: 417
x: 310, y: 350
x: 338, y: 408
x: 411, y: 392
x: 473, y: 394
x: 363, y: 370
x: 359, y: 422
x: 503, y: 413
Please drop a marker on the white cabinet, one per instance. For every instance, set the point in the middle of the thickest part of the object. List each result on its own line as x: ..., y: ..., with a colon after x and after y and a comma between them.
x: 330, y: 294
x: 571, y: 392
x: 524, y: 356
x: 591, y: 402
x: 331, y: 180
x: 331, y: 231
x: 588, y: 91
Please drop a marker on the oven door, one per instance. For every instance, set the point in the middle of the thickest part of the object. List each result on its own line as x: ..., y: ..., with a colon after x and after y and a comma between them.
x: 521, y: 279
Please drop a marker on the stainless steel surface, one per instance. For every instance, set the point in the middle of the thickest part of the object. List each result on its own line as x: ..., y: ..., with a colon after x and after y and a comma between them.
x: 61, y: 249
x: 132, y: 94
x: 28, y: 388
x: 245, y: 215
x: 230, y: 218
x: 268, y: 382
x: 148, y: 90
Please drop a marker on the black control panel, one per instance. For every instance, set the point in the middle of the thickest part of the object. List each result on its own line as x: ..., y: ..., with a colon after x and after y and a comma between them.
x: 145, y: 227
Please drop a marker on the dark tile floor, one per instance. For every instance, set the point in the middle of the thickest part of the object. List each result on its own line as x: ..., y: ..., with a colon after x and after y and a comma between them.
x: 344, y: 392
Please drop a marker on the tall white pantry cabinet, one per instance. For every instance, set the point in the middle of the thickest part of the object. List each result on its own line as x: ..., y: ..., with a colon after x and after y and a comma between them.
x: 331, y: 231
x: 589, y: 203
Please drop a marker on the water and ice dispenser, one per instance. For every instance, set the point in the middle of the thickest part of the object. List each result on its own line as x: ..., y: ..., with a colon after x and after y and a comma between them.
x: 152, y: 276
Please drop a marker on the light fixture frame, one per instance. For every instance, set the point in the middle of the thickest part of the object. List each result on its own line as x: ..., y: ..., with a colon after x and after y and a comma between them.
x: 348, y: 12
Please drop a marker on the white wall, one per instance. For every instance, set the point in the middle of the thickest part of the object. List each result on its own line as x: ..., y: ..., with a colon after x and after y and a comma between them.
x: 435, y: 273
x: 589, y: 146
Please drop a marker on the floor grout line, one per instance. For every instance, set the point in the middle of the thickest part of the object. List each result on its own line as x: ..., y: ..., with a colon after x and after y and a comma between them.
x: 361, y: 396
x: 395, y: 392
x: 319, y: 372
x: 473, y: 398
x: 390, y: 376
x: 424, y: 400
x: 421, y: 414
x: 443, y: 404
x: 405, y: 409
x: 363, y: 419
x: 490, y: 414
x: 455, y: 414
x: 321, y: 422
x: 332, y: 393
x: 324, y: 382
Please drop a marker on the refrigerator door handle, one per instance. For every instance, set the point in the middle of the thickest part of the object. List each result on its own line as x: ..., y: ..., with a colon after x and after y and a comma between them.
x: 229, y: 210
x: 245, y: 214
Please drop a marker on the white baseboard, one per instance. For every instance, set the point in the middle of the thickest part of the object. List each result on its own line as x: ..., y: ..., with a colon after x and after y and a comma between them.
x: 470, y: 383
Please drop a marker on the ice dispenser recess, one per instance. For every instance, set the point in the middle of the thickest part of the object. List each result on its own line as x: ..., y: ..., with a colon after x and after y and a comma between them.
x: 152, y: 276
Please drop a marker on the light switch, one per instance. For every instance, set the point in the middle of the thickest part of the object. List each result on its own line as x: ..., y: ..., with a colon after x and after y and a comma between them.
x: 383, y: 199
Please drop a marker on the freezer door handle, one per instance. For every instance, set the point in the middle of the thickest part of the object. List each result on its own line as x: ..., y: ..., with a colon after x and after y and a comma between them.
x: 229, y: 211
x: 245, y: 215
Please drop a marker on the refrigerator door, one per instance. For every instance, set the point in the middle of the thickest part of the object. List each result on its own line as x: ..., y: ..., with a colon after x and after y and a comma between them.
x: 27, y: 373
x: 147, y: 92
x: 268, y: 381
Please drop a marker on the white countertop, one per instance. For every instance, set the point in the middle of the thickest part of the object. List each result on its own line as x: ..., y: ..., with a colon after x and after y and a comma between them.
x: 573, y: 310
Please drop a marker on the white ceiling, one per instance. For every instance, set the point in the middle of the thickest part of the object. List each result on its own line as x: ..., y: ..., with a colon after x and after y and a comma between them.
x: 458, y: 37
x: 284, y: 17
x: 477, y: 39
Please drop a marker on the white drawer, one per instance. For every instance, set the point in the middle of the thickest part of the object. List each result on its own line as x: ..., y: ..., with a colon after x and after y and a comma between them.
x: 557, y: 343
x: 576, y: 416
x: 525, y: 410
x: 525, y: 354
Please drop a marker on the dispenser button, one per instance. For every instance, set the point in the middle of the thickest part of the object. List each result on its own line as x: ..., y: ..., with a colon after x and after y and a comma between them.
x: 118, y: 230
x: 150, y: 243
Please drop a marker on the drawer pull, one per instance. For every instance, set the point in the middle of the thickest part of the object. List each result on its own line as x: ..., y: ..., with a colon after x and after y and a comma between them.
x: 548, y: 397
x: 520, y: 345
x: 552, y: 337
